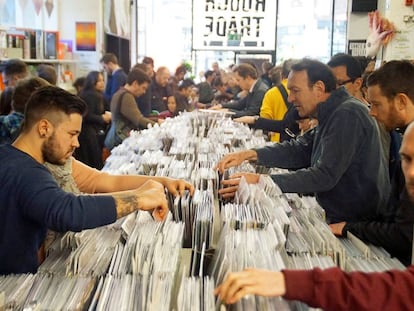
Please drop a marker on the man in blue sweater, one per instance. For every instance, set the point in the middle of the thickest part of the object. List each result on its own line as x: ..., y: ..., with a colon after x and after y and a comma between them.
x: 340, y: 160
x: 116, y: 76
x: 30, y: 199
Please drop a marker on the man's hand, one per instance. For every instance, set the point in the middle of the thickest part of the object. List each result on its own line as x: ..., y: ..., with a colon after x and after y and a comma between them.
x: 107, y: 116
x: 337, y: 228
x: 246, y: 119
x: 176, y: 186
x: 231, y: 185
x: 216, y: 107
x: 234, y: 159
x: 251, y: 282
x: 149, y: 197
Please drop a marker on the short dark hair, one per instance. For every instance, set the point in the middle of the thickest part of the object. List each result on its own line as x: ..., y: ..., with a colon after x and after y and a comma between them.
x: 287, y: 66
x: 47, y: 72
x: 363, y: 62
x: 353, y: 66
x: 180, y: 69
x: 246, y: 70
x: 208, y: 73
x: 184, y: 84
x: 79, y: 82
x: 109, y: 58
x: 24, y: 89
x: 266, y: 66
x: 316, y: 71
x: 142, y: 66
x: 15, y: 66
x: 148, y: 60
x: 275, y: 75
x: 50, y: 102
x: 139, y: 76
x: 394, y: 77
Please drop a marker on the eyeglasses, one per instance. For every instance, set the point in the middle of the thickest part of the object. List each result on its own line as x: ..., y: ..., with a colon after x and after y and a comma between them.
x: 340, y: 83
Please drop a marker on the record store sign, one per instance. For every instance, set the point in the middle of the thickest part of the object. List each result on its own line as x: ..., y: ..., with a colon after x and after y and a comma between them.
x: 237, y: 25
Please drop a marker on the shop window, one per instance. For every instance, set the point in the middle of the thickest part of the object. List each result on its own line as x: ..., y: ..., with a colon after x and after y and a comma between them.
x: 315, y: 29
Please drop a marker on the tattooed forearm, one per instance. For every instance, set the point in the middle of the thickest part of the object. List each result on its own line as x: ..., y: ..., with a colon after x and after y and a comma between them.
x: 126, y: 203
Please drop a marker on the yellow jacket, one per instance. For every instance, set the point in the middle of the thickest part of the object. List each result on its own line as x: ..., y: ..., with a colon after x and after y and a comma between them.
x: 274, y: 107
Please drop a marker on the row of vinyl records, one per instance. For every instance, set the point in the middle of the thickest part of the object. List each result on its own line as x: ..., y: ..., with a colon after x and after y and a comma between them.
x: 139, y: 264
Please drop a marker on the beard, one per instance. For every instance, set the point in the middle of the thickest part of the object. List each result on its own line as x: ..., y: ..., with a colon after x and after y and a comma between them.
x: 409, y: 187
x: 393, y: 120
x: 51, y: 151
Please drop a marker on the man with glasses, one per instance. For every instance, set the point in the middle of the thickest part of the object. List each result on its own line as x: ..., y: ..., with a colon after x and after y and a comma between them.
x: 391, y: 94
x: 348, y: 73
x: 339, y: 160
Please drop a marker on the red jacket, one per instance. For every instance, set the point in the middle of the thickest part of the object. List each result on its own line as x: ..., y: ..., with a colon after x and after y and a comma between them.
x: 334, y: 289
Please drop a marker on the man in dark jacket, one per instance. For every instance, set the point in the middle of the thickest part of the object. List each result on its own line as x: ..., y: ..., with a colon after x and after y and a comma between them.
x: 206, y: 90
x: 160, y: 90
x: 247, y: 79
x: 392, y: 103
x: 339, y: 160
x: 334, y: 289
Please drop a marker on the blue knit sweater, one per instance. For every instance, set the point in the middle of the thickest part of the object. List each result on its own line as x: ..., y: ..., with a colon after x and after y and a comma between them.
x: 31, y: 202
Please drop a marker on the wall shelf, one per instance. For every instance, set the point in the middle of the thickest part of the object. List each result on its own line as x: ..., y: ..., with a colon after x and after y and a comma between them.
x: 39, y: 61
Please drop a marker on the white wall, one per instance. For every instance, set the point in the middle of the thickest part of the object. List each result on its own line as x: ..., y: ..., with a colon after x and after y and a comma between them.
x: 402, y: 45
x: 358, y: 27
x: 358, y: 23
x: 24, y: 14
x: 74, y: 11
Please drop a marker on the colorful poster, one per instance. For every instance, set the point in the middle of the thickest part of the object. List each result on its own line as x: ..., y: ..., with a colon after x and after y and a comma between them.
x: 85, y: 36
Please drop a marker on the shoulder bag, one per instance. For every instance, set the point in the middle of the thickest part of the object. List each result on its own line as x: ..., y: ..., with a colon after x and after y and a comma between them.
x: 119, y: 130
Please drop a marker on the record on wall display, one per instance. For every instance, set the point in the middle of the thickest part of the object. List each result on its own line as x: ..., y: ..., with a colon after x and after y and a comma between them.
x: 49, y: 7
x: 38, y: 5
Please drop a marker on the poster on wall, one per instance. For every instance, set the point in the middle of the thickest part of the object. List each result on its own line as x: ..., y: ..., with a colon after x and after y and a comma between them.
x: 86, y: 62
x: 402, y: 45
x: 236, y: 25
x: 86, y: 36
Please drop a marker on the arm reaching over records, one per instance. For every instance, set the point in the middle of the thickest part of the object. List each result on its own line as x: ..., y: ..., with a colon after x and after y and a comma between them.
x: 330, y: 289
x: 234, y: 159
x: 231, y: 185
x: 34, y: 202
x: 149, y: 197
